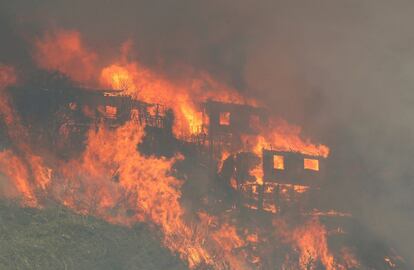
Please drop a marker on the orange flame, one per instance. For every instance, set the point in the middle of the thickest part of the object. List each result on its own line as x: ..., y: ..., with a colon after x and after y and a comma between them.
x: 15, y: 184
x: 64, y: 51
x: 311, y: 241
x: 183, y: 97
x: 112, y: 180
x: 25, y: 171
x: 281, y: 136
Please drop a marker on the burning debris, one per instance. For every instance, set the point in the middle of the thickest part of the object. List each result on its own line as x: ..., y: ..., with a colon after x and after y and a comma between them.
x: 140, y: 148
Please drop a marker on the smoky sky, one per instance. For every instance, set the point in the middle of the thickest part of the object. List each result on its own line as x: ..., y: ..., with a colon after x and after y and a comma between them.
x: 340, y: 69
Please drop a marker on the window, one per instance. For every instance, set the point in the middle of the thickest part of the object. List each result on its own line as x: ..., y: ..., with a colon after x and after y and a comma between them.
x: 278, y: 162
x: 224, y: 119
x: 206, y: 119
x: 110, y: 111
x: 311, y: 164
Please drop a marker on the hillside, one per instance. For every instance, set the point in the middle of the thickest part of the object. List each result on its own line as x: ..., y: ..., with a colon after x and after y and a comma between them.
x: 56, y: 238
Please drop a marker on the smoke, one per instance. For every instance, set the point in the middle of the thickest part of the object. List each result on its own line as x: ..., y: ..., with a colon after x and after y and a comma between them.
x: 340, y: 69
x: 344, y: 70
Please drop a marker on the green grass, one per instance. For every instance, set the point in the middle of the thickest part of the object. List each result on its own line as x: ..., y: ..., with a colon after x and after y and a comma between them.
x: 55, y: 238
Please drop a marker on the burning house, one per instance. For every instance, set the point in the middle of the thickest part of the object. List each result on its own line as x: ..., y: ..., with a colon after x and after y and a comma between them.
x: 225, y: 184
x: 227, y: 123
x: 272, y: 181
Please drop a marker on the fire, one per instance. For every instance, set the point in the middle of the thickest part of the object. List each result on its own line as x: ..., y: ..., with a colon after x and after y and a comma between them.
x: 7, y: 78
x: 144, y: 191
x: 311, y: 164
x: 390, y: 262
x: 278, y: 162
x: 224, y: 119
x: 311, y: 242
x: 281, y: 136
x: 258, y: 174
x: 64, y: 51
x: 117, y: 77
x: 143, y: 84
x: 114, y: 181
x: 15, y: 184
x: 224, y: 155
x: 25, y: 171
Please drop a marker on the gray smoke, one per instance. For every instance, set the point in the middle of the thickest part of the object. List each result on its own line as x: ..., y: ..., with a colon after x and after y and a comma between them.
x: 340, y: 69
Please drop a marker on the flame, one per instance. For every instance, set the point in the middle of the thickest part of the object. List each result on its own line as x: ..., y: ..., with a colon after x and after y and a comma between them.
x: 390, y: 262
x: 144, y: 191
x: 278, y: 162
x: 118, y: 77
x: 64, y: 51
x: 281, y: 136
x: 224, y: 155
x: 7, y: 78
x: 114, y: 181
x: 311, y: 241
x: 25, y: 171
x: 183, y: 97
x: 257, y: 172
x: 16, y: 177
x: 311, y: 164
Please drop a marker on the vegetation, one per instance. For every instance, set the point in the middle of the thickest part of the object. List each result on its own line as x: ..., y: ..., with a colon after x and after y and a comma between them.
x: 55, y: 238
